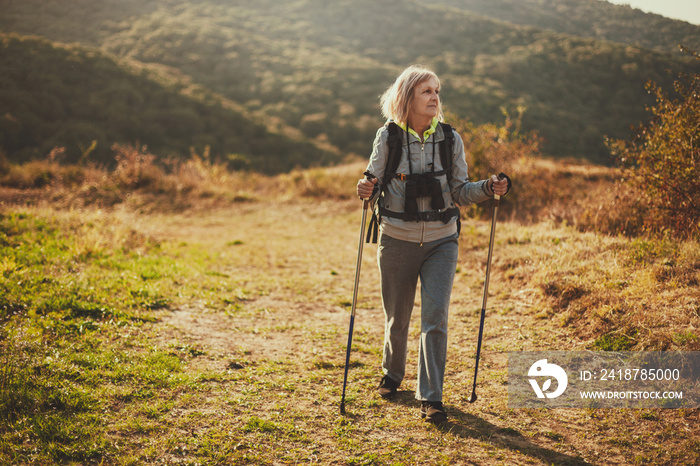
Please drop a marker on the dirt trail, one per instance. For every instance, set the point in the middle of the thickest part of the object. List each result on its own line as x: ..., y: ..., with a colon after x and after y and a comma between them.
x: 293, y: 267
x: 273, y: 251
x: 298, y: 245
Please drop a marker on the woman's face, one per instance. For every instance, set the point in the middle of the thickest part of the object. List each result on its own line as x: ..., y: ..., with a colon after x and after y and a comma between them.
x: 425, y: 102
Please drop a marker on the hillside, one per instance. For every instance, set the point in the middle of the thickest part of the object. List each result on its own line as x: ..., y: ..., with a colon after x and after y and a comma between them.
x: 69, y: 96
x: 319, y: 67
x: 594, y: 19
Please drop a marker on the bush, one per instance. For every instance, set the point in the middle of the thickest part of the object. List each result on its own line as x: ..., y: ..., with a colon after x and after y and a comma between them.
x: 491, y: 149
x: 663, y: 162
x: 35, y: 174
x: 135, y: 167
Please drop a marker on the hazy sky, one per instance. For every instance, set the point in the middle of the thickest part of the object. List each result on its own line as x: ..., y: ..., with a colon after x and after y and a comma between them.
x: 687, y: 10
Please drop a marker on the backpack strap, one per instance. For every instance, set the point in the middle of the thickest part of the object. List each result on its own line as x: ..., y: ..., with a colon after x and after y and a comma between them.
x: 394, y: 155
x: 447, y: 147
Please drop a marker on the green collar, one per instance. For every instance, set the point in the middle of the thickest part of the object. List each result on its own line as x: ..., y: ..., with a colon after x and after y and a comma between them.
x: 426, y: 134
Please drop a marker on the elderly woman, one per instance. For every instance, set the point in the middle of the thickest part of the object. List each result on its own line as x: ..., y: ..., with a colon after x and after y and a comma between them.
x: 418, y: 227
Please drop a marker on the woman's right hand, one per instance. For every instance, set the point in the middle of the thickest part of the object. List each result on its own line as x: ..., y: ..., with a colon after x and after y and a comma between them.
x: 365, y: 188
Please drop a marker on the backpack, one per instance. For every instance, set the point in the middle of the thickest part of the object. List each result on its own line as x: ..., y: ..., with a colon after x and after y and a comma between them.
x: 394, y: 142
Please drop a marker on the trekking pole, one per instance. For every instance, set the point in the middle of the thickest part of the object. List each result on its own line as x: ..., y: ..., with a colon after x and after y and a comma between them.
x: 496, y: 202
x: 365, y: 206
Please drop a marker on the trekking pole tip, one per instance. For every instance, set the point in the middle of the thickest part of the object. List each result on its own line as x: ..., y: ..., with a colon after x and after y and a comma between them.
x: 342, y: 407
x: 472, y: 397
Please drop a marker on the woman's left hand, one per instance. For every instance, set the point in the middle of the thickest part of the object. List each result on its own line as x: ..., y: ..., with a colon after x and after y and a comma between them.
x: 497, y: 186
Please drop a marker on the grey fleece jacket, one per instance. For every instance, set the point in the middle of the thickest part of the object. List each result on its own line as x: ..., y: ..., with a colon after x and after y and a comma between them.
x: 456, y: 191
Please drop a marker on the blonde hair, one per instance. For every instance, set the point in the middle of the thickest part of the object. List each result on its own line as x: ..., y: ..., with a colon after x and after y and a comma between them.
x: 396, y: 100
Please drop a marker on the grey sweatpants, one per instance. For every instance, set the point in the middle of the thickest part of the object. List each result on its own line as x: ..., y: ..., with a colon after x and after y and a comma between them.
x: 401, y: 264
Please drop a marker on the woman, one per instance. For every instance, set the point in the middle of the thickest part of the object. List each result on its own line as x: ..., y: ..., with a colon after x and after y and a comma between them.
x: 418, y: 229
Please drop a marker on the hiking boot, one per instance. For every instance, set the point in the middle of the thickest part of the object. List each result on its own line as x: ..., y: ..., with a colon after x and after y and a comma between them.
x: 433, y: 411
x: 387, y: 387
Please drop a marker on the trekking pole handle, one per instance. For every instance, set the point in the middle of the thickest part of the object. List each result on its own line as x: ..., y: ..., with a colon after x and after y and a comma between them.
x: 497, y: 197
x: 369, y: 177
x: 503, y: 176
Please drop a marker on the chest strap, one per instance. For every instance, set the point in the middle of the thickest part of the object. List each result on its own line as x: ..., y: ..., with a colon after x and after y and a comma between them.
x: 431, y: 216
x: 415, y: 177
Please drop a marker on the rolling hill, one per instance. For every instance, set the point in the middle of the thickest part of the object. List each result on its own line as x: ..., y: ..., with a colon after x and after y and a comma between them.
x: 70, y: 96
x: 594, y: 19
x: 579, y: 68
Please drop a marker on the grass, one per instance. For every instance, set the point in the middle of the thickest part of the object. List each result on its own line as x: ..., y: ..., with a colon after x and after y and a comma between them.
x: 78, y: 292
x: 217, y: 336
